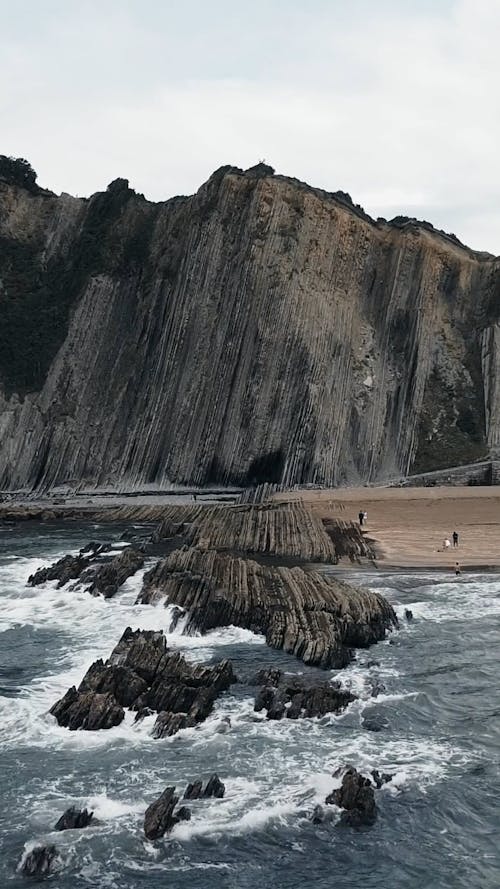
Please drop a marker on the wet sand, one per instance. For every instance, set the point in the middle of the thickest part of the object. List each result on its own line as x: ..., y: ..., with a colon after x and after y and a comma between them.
x: 408, y: 525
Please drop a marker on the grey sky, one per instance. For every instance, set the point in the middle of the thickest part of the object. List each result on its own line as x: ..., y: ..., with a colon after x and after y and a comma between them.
x: 395, y: 101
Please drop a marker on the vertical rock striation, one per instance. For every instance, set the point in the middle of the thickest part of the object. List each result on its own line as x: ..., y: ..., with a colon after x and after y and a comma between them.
x: 257, y: 331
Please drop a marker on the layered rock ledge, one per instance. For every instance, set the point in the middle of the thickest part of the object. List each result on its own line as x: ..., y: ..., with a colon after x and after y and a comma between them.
x: 319, y: 619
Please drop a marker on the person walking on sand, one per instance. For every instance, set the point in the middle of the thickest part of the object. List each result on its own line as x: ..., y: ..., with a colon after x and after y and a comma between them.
x: 361, y: 516
x: 455, y: 539
x: 446, y: 544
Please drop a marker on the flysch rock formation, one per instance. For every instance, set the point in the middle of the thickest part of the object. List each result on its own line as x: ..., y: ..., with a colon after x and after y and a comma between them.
x: 258, y: 331
x: 317, y: 618
x: 143, y: 675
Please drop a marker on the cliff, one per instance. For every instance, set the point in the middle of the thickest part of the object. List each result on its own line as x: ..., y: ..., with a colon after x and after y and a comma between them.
x: 259, y: 330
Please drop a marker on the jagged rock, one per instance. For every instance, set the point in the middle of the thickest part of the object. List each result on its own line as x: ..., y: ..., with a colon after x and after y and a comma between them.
x: 408, y: 614
x: 317, y: 618
x: 122, y: 682
x: 296, y: 697
x: 213, y: 788
x: 377, y: 687
x: 356, y: 797
x: 159, y: 817
x: 65, y: 569
x: 39, y: 861
x: 94, y: 548
x: 101, y: 579
x: 105, y: 579
x: 143, y: 675
x: 380, y: 778
x: 87, y: 710
x: 73, y: 819
x: 183, y: 813
x: 194, y: 790
x: 168, y: 724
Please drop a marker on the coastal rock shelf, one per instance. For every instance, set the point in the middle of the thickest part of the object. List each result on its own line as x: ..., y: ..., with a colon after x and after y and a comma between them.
x: 143, y: 675
x: 260, y: 330
x: 316, y: 618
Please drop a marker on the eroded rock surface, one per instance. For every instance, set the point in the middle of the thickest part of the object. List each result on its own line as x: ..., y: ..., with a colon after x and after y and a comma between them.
x: 39, y: 861
x: 293, y: 697
x: 142, y: 674
x: 317, y: 618
x: 384, y: 337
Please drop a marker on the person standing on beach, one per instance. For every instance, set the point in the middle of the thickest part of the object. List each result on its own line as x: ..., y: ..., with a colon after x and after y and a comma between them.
x: 457, y: 568
x: 361, y: 516
x: 455, y: 539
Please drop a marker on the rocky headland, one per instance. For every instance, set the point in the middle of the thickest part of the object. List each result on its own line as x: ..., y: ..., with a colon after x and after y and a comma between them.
x: 260, y: 330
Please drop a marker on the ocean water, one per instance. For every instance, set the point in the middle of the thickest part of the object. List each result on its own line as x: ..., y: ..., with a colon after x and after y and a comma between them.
x: 435, y: 727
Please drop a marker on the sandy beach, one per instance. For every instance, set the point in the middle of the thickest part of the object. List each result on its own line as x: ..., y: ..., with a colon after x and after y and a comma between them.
x: 409, y: 525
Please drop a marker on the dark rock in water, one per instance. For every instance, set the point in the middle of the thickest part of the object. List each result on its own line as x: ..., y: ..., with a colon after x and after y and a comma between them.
x: 74, y: 819
x: 105, y: 579
x: 168, y: 724
x: 121, y: 682
x: 66, y: 569
x: 194, y: 790
x: 214, y: 788
x: 102, y: 579
x: 318, y: 815
x: 177, y: 615
x: 183, y: 813
x: 95, y: 548
x: 356, y: 796
x: 296, y: 697
x: 377, y: 688
x: 87, y: 710
x: 380, y: 778
x: 140, y: 650
x: 268, y: 678
x: 159, y: 817
x: 141, y: 714
x: 408, y: 614
x: 143, y: 675
x: 38, y: 862
x: 375, y: 723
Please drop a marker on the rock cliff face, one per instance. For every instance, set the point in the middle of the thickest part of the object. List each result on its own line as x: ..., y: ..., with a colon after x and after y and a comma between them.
x: 259, y: 330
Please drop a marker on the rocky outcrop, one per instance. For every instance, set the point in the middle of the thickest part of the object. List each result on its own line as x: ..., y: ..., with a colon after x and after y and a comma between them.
x: 143, y: 675
x: 356, y: 798
x: 214, y: 788
x: 317, y: 618
x: 102, y: 579
x: 39, y: 862
x: 257, y: 331
x: 295, y: 697
x: 159, y: 817
x: 74, y: 819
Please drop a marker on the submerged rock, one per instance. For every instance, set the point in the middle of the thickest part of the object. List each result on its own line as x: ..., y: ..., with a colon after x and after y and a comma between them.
x: 73, y: 819
x: 39, y: 861
x: 380, y: 778
x: 295, y: 697
x: 142, y: 674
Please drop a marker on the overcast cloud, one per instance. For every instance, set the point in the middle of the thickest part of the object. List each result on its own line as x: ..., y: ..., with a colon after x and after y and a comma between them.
x: 395, y: 101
